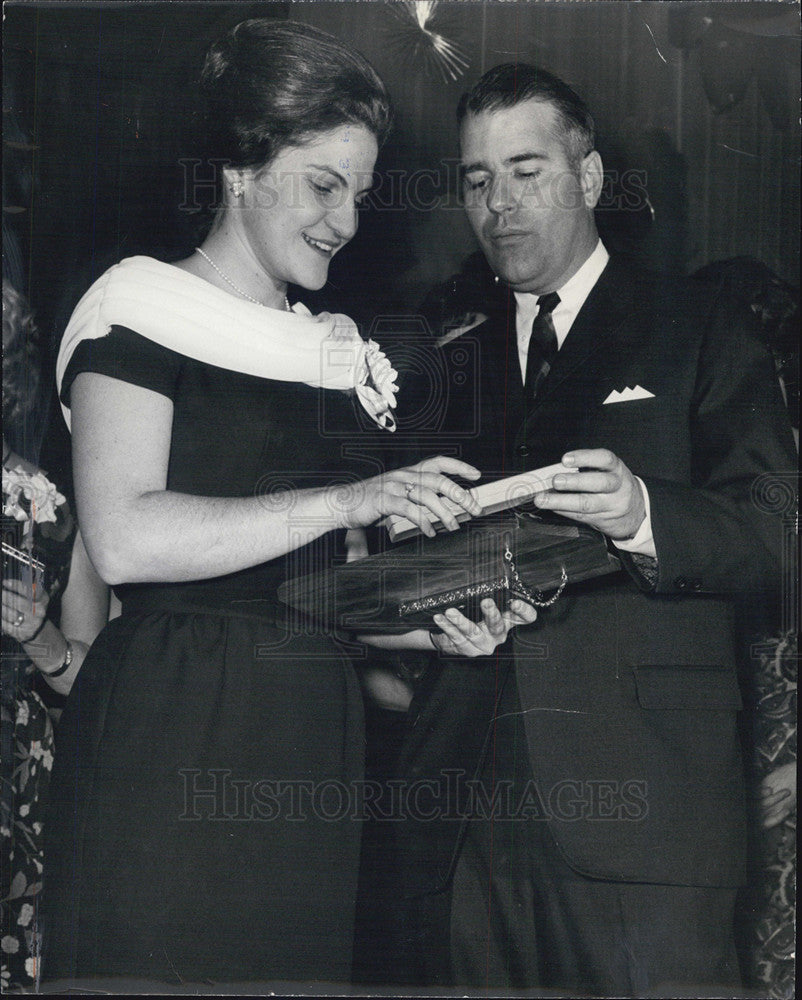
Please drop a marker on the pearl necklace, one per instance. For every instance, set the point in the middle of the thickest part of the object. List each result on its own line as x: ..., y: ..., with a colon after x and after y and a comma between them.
x: 236, y: 288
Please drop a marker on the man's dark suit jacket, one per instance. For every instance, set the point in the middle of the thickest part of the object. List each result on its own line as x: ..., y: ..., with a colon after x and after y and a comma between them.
x: 628, y: 690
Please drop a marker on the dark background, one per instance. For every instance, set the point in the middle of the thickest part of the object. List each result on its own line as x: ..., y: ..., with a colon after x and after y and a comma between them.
x: 696, y: 105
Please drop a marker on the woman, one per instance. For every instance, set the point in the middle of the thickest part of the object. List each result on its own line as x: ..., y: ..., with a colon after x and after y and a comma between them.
x: 40, y: 555
x: 196, y: 826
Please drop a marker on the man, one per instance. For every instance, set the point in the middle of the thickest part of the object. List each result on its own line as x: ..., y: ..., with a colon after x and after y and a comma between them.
x: 615, y: 872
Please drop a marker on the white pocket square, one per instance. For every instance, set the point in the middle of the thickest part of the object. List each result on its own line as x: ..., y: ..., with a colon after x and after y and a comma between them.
x: 628, y: 394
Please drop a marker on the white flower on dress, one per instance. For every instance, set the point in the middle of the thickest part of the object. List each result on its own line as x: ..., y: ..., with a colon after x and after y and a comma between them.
x: 350, y: 363
x: 30, y: 967
x: 22, y: 713
x: 377, y: 387
x: 24, y: 809
x: 10, y: 945
x: 29, y: 497
x: 25, y: 914
x: 47, y: 760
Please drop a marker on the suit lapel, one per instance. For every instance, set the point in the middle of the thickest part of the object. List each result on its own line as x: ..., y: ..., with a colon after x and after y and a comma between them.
x: 601, y: 325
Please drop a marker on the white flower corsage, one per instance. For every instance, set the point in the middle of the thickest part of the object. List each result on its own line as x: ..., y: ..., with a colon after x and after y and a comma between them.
x: 377, y: 387
x: 30, y: 497
x: 369, y: 373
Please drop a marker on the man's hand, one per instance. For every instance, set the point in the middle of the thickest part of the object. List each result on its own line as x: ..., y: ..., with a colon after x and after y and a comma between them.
x: 603, y: 494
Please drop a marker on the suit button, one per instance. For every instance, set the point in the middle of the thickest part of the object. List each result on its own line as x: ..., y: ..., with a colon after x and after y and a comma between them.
x: 681, y: 583
x: 696, y: 584
x: 522, y: 451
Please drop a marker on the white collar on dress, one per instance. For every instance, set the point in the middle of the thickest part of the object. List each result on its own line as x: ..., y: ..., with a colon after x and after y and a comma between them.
x: 186, y: 314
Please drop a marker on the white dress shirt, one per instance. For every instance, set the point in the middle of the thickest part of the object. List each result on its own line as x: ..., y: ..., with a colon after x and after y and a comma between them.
x: 572, y: 297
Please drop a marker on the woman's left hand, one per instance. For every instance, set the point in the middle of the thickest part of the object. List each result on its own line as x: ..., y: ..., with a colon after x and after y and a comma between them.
x: 462, y: 637
x: 24, y: 609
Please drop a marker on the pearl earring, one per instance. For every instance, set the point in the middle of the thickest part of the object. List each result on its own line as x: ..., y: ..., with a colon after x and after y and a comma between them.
x: 495, y: 278
x: 237, y: 188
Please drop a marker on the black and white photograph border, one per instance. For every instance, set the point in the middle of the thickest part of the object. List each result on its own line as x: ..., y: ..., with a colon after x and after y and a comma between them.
x: 461, y: 813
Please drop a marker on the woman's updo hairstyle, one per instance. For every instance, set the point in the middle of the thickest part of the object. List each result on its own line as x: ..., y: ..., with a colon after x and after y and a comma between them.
x: 271, y: 84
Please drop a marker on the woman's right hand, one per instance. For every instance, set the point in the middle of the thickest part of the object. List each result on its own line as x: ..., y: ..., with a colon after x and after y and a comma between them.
x: 414, y: 492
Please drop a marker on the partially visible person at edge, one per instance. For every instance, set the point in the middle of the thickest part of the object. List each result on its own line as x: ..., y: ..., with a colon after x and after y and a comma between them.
x: 766, y: 911
x: 203, y: 478
x: 770, y: 902
x: 624, y: 695
x: 52, y: 610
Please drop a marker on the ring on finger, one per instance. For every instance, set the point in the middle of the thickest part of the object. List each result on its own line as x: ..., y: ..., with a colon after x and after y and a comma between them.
x: 19, y: 619
x: 409, y: 487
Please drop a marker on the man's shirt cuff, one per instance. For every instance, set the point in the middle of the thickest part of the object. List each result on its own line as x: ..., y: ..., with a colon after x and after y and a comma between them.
x: 642, y: 541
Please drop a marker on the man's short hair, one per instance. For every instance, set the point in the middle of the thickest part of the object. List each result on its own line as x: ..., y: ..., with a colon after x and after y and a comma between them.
x: 513, y: 83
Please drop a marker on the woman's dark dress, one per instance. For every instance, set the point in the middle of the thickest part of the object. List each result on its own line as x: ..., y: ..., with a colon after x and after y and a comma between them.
x: 203, y: 824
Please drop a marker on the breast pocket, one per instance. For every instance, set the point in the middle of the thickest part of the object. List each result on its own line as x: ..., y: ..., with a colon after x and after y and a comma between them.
x: 636, y: 410
x: 649, y: 435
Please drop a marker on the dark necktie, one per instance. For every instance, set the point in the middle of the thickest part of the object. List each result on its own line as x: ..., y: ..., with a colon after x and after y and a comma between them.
x: 542, y: 345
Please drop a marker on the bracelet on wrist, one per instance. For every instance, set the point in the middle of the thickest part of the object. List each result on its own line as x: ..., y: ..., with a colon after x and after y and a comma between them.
x: 35, y: 635
x: 66, y: 663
